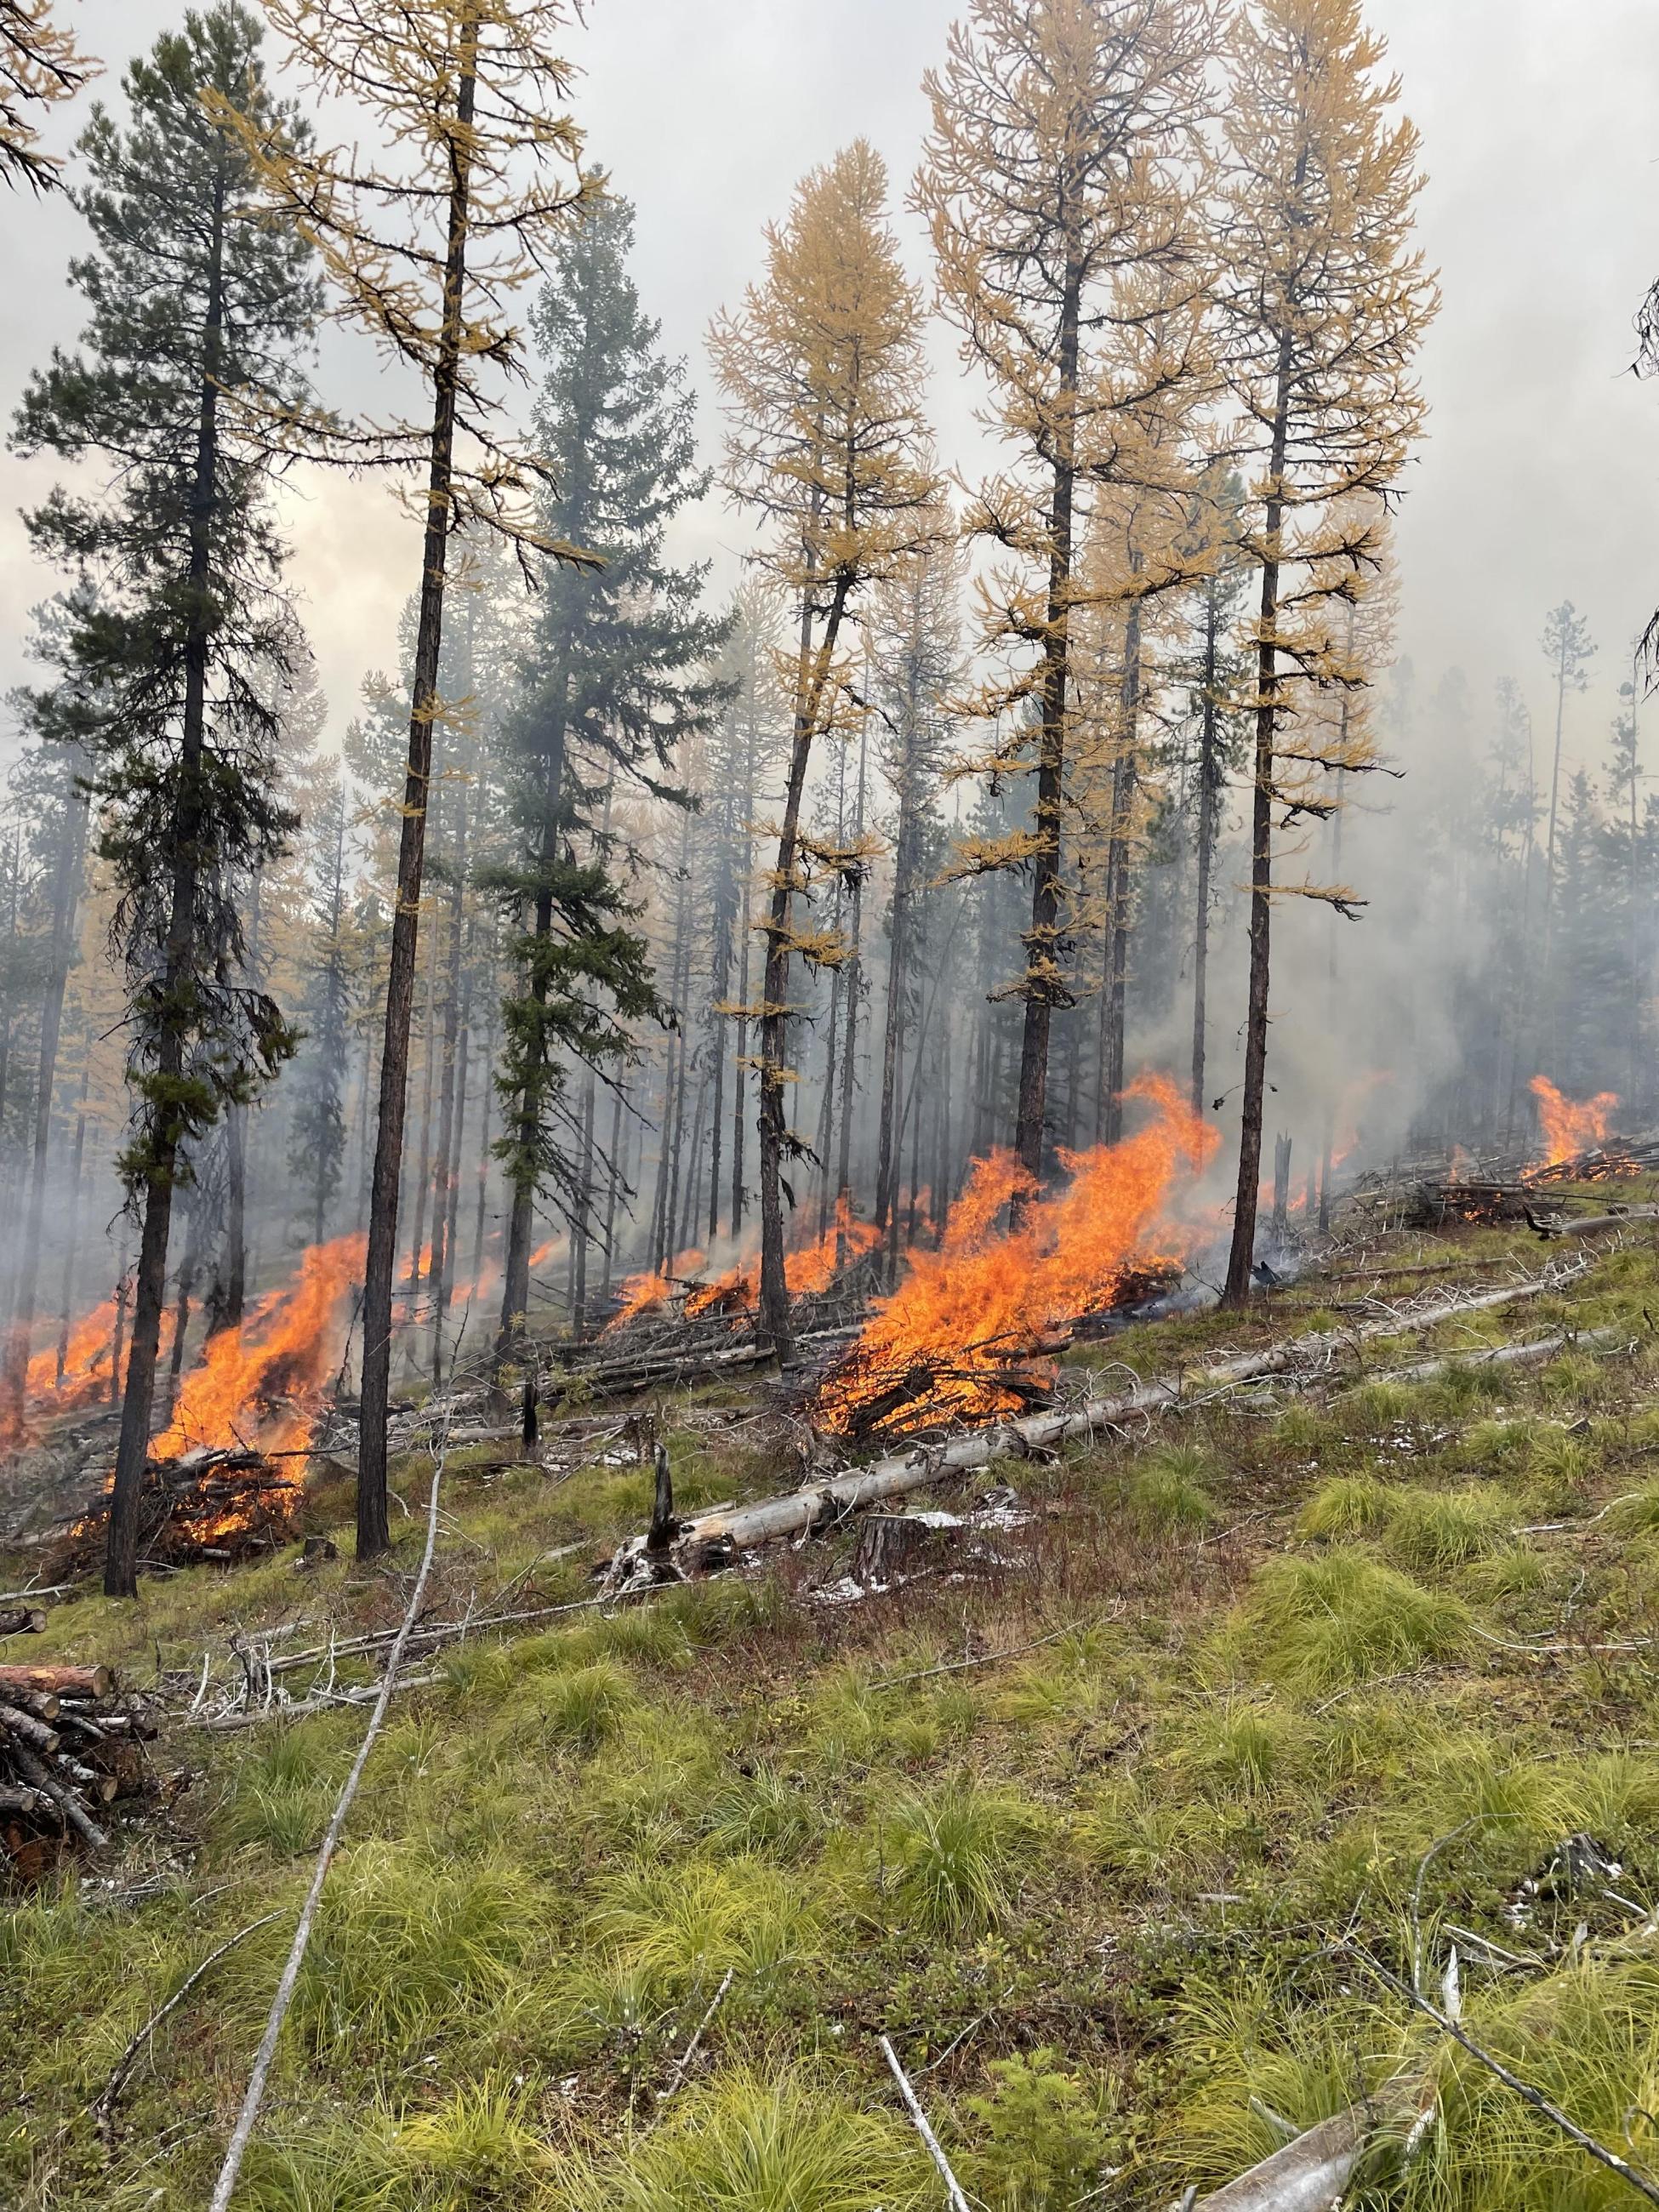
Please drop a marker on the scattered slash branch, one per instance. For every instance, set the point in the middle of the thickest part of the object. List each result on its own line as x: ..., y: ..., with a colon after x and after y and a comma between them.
x: 677, y: 2078
x: 1310, y: 2172
x: 1534, y: 2098
x: 953, y: 2194
x: 102, y: 2108
x: 225, y: 2187
x: 713, y: 1539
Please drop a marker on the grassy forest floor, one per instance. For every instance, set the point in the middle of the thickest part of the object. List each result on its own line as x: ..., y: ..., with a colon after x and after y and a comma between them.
x: 1253, y: 1703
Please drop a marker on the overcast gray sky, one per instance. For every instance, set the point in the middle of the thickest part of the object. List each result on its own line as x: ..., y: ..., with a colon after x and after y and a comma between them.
x: 1540, y: 123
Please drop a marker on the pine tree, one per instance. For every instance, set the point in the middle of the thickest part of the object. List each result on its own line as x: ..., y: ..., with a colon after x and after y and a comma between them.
x: 1320, y: 304
x: 1057, y: 182
x: 478, y: 172
x: 1566, y: 644
x: 617, y: 679
x: 39, y: 66
x: 200, y: 304
x: 822, y: 372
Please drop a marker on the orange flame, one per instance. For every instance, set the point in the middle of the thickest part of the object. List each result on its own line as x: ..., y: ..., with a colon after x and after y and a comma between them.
x: 983, y: 1301
x: 286, y: 1350
x: 1570, y: 1125
x: 650, y: 1288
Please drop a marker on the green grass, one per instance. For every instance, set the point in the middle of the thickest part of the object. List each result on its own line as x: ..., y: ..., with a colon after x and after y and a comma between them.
x: 1106, y: 1884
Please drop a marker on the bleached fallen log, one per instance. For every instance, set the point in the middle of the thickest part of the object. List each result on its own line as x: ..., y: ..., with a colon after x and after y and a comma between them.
x: 1307, y: 2174
x: 712, y: 1539
x: 1590, y: 1224
x: 1505, y: 1355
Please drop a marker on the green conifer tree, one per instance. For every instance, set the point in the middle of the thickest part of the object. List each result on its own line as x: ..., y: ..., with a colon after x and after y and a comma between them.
x: 198, y: 301
x: 617, y: 675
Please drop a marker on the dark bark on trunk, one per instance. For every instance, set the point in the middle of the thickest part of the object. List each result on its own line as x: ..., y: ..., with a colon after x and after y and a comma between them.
x: 1209, y: 799
x: 613, y: 1186
x: 179, y: 958
x: 438, y: 1269
x: 854, y: 975
x: 1240, y: 1258
x: 72, y: 1248
x: 373, y: 1534
x: 813, y: 678
x: 1125, y: 769
x: 420, y: 1168
x: 483, y: 1131
x: 65, y: 904
x: 1042, y: 944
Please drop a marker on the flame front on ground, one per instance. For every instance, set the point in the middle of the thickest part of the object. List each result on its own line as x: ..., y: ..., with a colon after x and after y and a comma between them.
x: 286, y: 1350
x: 984, y: 1293
x: 1570, y: 1125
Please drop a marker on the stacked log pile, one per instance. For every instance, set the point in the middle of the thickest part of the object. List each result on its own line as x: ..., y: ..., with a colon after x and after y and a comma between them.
x: 1435, y: 1193
x: 70, y: 1746
x: 224, y: 1506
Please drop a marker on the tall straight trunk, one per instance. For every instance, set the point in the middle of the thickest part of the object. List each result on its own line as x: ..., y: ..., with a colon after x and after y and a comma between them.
x: 485, y: 1154
x: 812, y: 675
x: 674, y: 1118
x: 1549, y: 845
x: 613, y: 1183
x: 688, y: 1220
x: 580, y: 1231
x: 1329, y: 1132
x: 439, y: 1267
x: 5, y: 995
x: 1209, y: 802
x: 72, y: 1245
x: 336, y: 910
x: 823, y: 1144
x: 892, y: 1040
x: 451, y: 1208
x: 1241, y: 1257
x: 1124, y: 772
x: 123, y: 1299
x: 420, y: 1168
x: 236, y: 1158
x: 1043, y: 943
x: 179, y: 956
x: 373, y: 1534
x: 65, y: 903
x: 185, y: 1285
x: 719, y: 985
x: 511, y: 1340
x: 854, y: 973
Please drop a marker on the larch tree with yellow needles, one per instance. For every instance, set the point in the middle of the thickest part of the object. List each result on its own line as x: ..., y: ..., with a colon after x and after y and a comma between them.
x: 1320, y: 304
x: 1057, y: 176
x: 427, y: 244
x: 39, y: 66
x: 822, y: 372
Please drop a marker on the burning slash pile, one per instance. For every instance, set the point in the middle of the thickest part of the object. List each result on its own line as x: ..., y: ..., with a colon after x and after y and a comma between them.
x: 226, y: 1476
x: 68, y: 1747
x: 971, y: 1333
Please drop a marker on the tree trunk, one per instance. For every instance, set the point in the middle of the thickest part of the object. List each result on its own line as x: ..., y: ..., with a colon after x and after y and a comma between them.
x: 850, y: 1046
x: 373, y: 1534
x: 1044, y: 987
x: 812, y: 677
x: 485, y: 1154
x: 439, y: 1270
x: 1236, y: 1292
x: 72, y: 1247
x: 178, y: 961
x: 1209, y: 799
x: 65, y: 903
x: 1124, y: 774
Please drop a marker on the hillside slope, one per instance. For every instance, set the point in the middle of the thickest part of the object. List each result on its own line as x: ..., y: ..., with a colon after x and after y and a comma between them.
x: 1124, y: 1810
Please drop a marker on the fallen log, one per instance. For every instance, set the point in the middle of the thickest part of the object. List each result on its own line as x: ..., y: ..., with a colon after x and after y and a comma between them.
x: 53, y: 1679
x: 1503, y: 1355
x: 1308, y: 2174
x: 25, y: 1621
x: 713, y: 1539
x: 1591, y: 1224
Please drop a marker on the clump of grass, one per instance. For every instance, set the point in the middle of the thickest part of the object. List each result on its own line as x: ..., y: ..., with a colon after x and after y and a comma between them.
x: 1498, y: 1447
x: 1376, y: 1406
x: 680, y: 1926
x: 1348, y: 1505
x: 1433, y: 1530
x: 585, y: 1708
x: 406, y: 1939
x: 480, y: 2146
x: 1238, y: 1746
x: 763, y: 1811
x: 777, y: 2141
x: 955, y: 1851
x: 285, y: 1791
x: 1166, y: 1496
x: 1300, y: 1429
x: 1319, y: 1623
x: 1638, y: 1514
